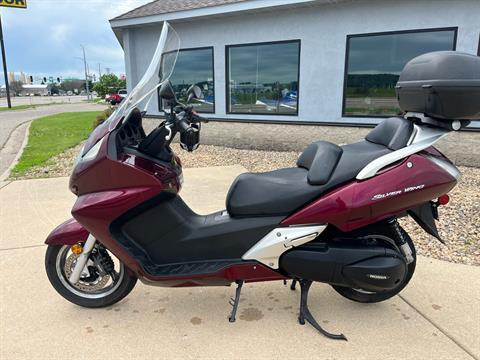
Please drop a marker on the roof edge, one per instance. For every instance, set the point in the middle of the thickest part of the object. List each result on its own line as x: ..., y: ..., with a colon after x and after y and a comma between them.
x: 210, y: 11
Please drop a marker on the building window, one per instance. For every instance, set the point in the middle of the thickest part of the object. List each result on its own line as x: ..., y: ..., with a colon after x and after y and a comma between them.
x: 374, y: 62
x: 263, y: 78
x: 194, y: 67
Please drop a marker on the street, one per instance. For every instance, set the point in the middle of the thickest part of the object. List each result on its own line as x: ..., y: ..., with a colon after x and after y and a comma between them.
x: 38, y: 100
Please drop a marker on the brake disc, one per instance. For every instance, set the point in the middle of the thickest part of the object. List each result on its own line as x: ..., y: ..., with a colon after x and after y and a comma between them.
x: 87, y: 286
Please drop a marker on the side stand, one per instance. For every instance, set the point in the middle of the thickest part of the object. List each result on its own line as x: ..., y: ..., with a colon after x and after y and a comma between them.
x: 305, y: 313
x: 292, y: 285
x: 235, y: 302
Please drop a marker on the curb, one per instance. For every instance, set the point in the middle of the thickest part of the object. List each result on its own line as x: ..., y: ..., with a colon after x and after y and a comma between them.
x: 22, y: 127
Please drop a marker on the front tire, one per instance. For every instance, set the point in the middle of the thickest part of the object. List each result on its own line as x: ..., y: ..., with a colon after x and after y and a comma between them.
x: 362, y: 296
x: 86, y: 293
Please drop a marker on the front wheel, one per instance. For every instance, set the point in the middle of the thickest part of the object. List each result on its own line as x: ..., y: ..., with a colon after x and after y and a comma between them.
x: 103, y: 281
x: 363, y: 296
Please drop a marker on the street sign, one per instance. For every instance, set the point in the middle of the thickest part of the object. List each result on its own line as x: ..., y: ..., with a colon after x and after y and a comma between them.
x: 22, y: 4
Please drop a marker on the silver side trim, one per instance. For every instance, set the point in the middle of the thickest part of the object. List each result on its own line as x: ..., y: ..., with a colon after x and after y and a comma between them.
x: 423, y: 137
x: 445, y: 165
x: 269, y: 249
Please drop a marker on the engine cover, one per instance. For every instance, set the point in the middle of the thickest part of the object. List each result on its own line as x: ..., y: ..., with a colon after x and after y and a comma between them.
x: 371, y: 268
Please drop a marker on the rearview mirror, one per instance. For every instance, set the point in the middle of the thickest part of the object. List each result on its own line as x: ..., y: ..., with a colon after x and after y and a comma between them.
x: 194, y: 92
x: 167, y: 93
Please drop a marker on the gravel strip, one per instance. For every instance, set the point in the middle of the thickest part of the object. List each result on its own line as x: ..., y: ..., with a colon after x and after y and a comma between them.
x: 458, y: 223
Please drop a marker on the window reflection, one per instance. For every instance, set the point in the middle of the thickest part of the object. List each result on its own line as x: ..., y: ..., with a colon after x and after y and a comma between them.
x: 195, y: 67
x: 374, y: 64
x: 263, y: 78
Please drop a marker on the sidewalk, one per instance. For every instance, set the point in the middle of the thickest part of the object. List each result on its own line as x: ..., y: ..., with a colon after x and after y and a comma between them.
x: 436, y: 317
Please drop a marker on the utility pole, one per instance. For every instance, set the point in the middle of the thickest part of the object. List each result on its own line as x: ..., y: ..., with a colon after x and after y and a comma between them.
x: 7, y: 86
x: 99, y: 71
x: 86, y: 73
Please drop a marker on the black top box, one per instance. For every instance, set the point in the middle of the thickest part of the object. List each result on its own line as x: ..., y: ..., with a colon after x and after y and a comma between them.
x: 444, y: 85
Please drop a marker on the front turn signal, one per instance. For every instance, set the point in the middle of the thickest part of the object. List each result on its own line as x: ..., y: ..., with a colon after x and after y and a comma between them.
x: 77, y: 249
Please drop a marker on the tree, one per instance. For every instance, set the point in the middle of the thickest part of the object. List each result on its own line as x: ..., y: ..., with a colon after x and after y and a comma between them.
x: 107, y: 84
x: 16, y: 87
x: 122, y: 84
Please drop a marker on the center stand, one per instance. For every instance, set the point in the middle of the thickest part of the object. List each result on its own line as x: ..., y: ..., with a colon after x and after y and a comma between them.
x: 305, y: 313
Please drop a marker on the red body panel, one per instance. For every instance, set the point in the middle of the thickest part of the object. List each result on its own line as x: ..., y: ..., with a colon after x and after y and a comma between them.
x: 68, y: 233
x: 358, y: 203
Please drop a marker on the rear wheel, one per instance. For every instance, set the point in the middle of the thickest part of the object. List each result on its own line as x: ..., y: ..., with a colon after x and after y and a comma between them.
x: 103, y: 282
x: 363, y: 296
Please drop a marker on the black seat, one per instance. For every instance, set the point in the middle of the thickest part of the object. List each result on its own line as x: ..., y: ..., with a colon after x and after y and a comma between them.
x: 321, y: 167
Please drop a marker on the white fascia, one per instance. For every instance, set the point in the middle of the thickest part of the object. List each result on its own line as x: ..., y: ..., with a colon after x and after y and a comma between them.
x: 212, y: 10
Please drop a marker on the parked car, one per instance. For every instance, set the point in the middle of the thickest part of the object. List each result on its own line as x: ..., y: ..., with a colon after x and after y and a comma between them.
x: 122, y: 93
x: 114, y: 98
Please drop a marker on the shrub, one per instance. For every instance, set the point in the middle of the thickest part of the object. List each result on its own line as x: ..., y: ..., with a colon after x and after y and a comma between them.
x: 104, y: 115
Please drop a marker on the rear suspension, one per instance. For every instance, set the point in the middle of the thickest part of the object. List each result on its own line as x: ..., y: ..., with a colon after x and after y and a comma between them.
x: 401, y: 241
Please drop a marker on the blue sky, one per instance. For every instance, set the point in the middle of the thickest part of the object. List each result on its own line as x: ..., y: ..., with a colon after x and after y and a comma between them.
x: 44, y: 40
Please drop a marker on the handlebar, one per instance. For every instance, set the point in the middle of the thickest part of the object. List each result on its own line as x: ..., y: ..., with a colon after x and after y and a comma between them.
x: 183, y: 124
x: 185, y: 120
x: 190, y: 113
x: 197, y: 118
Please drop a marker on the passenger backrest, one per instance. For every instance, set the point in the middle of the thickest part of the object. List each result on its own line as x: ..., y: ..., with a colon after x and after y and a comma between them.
x: 320, y: 159
x: 393, y: 133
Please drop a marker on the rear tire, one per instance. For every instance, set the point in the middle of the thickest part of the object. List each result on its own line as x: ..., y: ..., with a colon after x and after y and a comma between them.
x: 361, y: 296
x: 60, y: 282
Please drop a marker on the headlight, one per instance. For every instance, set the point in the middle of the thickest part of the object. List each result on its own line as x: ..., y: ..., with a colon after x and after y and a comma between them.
x: 79, y: 156
x: 92, y: 153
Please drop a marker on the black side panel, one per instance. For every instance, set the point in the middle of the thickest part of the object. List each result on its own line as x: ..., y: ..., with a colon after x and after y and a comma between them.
x: 372, y: 268
x: 168, y: 232
x: 424, y: 216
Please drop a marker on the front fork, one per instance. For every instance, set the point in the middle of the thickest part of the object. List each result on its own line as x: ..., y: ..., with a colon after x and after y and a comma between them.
x: 82, y: 259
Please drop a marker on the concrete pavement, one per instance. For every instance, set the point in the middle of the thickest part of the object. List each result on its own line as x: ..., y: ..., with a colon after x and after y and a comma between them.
x: 436, y: 317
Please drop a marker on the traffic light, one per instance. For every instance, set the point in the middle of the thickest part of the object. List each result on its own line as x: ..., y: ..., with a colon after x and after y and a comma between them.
x: 44, y: 79
x: 31, y: 79
x: 58, y: 79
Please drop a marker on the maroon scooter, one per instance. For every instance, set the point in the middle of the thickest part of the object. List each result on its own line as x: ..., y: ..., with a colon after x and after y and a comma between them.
x: 331, y: 219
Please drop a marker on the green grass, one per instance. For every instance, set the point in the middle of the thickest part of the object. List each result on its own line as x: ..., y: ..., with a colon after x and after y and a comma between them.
x: 52, y: 135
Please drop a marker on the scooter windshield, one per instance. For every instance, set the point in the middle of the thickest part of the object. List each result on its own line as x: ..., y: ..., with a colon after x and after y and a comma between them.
x: 159, y: 71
